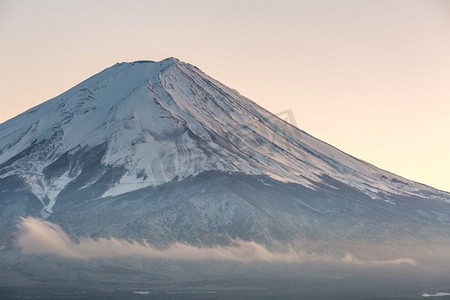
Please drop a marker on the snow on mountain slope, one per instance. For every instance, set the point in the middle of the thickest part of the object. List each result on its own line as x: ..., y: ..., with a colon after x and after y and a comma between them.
x: 157, y: 122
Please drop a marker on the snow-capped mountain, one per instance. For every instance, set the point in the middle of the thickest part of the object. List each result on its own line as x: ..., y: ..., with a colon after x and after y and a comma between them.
x: 134, y: 130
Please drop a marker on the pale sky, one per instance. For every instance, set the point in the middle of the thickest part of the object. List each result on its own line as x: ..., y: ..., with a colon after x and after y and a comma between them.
x: 369, y: 77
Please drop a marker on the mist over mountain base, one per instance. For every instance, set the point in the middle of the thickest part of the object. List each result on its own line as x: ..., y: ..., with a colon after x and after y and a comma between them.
x: 88, y: 268
x: 47, y: 277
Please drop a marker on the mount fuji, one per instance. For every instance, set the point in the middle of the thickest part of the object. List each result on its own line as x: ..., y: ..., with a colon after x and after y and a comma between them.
x: 163, y: 152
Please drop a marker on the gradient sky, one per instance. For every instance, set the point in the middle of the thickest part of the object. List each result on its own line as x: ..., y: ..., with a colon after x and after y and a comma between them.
x: 369, y: 77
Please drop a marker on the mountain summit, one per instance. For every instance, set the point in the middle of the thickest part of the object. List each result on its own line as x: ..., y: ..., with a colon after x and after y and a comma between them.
x: 162, y: 151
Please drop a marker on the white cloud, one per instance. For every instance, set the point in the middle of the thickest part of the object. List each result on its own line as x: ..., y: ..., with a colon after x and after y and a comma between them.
x: 37, y: 236
x: 349, y: 258
x: 436, y: 295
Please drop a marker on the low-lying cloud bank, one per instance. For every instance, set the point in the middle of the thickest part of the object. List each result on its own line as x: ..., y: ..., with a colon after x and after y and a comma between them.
x: 436, y: 295
x: 37, y: 236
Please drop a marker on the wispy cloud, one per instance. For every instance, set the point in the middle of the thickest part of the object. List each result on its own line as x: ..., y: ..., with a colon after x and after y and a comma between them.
x: 349, y: 258
x: 436, y: 295
x: 37, y: 236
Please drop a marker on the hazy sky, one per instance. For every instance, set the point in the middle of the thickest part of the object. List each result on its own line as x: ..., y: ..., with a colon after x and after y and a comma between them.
x: 369, y: 77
